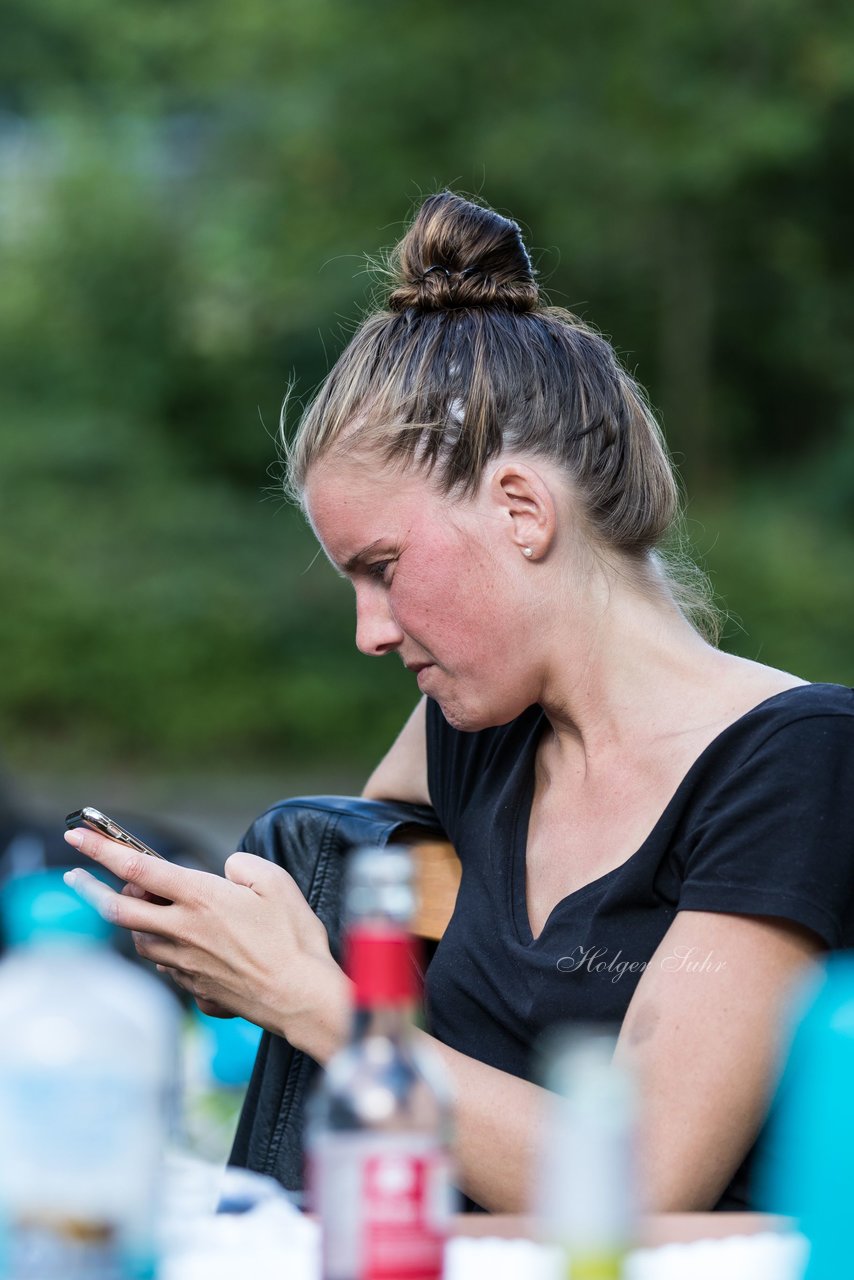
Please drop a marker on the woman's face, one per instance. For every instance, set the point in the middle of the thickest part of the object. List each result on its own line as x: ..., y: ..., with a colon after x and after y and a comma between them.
x: 436, y: 582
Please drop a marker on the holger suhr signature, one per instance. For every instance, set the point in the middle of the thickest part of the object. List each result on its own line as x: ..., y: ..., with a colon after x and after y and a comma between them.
x: 679, y: 960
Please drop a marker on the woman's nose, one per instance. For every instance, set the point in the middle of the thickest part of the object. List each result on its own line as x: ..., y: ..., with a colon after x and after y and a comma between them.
x: 377, y: 632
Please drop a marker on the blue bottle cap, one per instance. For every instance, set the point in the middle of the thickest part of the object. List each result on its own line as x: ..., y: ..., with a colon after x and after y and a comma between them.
x: 232, y: 1048
x: 41, y: 907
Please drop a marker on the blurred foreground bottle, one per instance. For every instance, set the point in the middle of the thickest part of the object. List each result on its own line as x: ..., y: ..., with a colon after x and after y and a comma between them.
x: 88, y: 1056
x: 379, y: 1132
x: 587, y: 1184
x: 807, y: 1160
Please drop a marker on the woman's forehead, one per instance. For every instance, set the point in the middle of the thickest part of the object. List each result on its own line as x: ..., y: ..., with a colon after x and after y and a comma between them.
x: 349, y: 485
x: 349, y: 505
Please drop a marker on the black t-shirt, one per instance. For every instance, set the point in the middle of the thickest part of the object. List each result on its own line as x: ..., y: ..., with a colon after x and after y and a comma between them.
x: 760, y: 825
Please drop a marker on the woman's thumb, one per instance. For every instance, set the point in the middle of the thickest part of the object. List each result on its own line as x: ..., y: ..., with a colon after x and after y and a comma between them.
x: 250, y: 870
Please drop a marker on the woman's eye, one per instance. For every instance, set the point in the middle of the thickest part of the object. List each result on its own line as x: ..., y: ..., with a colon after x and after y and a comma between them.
x: 378, y: 570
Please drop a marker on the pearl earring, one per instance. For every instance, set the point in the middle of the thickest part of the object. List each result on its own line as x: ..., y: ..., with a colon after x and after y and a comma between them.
x: 527, y: 551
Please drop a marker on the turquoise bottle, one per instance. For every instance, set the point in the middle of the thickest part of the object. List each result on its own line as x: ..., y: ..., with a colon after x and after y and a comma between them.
x: 807, y: 1166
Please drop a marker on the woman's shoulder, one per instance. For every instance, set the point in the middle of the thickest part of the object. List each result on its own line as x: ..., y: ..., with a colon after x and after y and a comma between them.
x: 791, y: 734
x: 803, y: 702
x: 756, y: 699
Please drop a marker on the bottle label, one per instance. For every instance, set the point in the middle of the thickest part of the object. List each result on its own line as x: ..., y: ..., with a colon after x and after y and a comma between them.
x: 384, y: 1202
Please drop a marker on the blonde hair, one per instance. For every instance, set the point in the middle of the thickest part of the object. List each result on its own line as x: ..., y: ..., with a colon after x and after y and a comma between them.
x: 467, y: 361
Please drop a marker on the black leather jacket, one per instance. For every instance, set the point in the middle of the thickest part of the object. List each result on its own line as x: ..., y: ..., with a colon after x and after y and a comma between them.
x: 309, y: 837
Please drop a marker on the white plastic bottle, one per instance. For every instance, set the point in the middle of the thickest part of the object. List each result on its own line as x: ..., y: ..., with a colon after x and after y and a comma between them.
x: 88, y: 1054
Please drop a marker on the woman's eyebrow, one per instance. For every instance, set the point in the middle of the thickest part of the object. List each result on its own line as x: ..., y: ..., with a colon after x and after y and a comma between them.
x: 358, y: 560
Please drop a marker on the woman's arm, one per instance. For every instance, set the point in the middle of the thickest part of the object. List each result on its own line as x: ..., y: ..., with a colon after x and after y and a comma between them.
x: 703, y: 1042
x: 250, y: 944
x: 701, y: 1031
x: 703, y: 1034
x: 402, y: 772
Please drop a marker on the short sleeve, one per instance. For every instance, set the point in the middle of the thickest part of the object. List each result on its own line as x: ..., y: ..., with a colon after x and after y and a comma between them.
x: 776, y: 835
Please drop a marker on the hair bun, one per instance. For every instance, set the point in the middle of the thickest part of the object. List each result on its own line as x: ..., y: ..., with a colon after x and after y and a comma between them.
x: 458, y: 254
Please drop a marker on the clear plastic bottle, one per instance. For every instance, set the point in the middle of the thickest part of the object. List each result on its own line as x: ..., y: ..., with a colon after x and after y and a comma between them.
x: 379, y: 1131
x: 587, y: 1202
x: 88, y: 1054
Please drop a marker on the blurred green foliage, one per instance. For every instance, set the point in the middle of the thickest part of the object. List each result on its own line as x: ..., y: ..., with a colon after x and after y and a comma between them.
x: 187, y: 196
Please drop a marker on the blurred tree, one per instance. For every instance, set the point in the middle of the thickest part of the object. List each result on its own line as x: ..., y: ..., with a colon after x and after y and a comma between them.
x: 186, y: 195
x: 652, y: 141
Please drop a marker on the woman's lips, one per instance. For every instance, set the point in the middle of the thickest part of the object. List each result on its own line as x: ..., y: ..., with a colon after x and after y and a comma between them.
x: 419, y: 668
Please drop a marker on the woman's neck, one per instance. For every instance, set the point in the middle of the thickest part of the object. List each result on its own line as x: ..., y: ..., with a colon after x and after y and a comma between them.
x: 637, y: 673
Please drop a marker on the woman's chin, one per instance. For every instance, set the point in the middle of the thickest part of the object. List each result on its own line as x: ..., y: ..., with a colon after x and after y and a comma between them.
x: 468, y: 718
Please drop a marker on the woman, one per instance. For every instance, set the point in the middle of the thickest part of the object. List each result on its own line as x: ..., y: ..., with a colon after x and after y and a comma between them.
x: 651, y: 831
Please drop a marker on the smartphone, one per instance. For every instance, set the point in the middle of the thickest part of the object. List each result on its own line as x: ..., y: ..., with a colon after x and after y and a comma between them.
x: 97, y: 821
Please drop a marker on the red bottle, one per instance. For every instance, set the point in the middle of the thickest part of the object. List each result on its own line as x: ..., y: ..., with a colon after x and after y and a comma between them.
x: 379, y: 1131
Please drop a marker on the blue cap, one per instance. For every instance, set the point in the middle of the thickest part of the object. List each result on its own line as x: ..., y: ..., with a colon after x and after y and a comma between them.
x: 232, y: 1047
x: 41, y: 906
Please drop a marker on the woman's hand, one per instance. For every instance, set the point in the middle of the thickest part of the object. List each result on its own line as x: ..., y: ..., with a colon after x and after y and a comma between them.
x: 208, y: 1007
x: 245, y: 944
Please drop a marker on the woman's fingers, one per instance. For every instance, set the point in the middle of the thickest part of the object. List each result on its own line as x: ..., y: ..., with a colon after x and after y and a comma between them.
x: 187, y: 982
x: 212, y: 1009
x: 129, y: 912
x: 191, y: 983
x: 137, y: 891
x: 258, y: 874
x: 155, y: 875
x: 182, y: 980
x: 153, y: 946
x: 244, y: 943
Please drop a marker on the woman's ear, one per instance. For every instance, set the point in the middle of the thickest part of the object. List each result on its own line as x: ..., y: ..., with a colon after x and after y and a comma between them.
x: 527, y: 507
